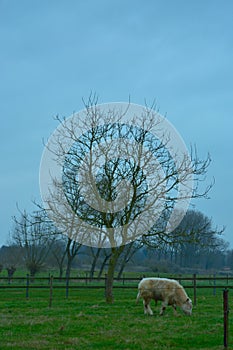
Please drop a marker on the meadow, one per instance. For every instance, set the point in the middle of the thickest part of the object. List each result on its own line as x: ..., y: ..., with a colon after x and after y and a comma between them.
x: 84, y: 321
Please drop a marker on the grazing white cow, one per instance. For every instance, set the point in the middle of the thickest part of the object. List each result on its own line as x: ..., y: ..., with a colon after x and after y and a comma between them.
x: 169, y: 291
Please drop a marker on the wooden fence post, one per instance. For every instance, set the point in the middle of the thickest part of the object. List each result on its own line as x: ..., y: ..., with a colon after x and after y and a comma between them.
x: 50, y: 291
x: 27, y: 286
x: 194, y: 289
x: 225, y: 313
x: 86, y: 278
x: 67, y: 287
x: 105, y: 284
x: 214, y: 290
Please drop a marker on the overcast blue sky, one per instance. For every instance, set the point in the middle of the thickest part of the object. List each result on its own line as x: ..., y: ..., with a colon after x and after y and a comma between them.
x: 53, y: 53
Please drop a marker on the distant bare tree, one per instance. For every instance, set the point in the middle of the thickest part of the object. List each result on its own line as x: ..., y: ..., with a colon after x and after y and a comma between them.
x: 194, y: 242
x: 72, y: 248
x: 11, y: 256
x: 199, y: 238
x: 95, y: 252
x: 10, y: 272
x: 32, y: 233
x: 106, y: 254
x: 127, y: 255
x: 58, y: 253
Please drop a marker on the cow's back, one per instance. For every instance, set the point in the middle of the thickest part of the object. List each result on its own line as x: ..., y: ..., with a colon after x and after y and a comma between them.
x: 158, y: 288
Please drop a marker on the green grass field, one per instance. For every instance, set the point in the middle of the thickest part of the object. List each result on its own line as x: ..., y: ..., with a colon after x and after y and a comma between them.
x: 85, y: 321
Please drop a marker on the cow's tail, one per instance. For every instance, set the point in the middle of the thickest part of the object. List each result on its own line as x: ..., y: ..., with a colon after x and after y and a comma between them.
x: 138, y: 296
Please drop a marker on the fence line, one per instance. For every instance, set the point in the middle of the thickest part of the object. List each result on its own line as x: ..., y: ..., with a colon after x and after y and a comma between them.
x: 29, y: 282
x: 194, y: 279
x: 88, y: 279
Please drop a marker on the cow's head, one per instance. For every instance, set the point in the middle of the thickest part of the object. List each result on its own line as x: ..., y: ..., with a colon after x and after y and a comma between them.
x: 187, y: 306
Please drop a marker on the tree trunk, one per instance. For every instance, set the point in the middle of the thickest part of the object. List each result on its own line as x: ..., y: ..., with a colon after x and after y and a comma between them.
x: 60, y: 262
x: 68, y: 272
x: 126, y: 258
x: 121, y: 269
x: 103, y: 265
x: 93, y: 266
x: 116, y: 252
x: 109, y: 283
x: 60, y: 272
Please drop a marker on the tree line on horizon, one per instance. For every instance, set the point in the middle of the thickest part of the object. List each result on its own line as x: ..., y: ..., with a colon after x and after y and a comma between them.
x: 36, y: 245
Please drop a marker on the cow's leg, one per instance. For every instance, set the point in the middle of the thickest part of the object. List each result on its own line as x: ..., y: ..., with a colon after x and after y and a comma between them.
x: 174, y: 308
x: 147, y: 309
x: 163, y: 307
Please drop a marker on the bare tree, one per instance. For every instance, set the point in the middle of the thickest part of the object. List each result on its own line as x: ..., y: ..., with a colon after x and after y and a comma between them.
x: 32, y: 233
x: 95, y: 252
x: 72, y: 248
x: 64, y: 247
x: 193, y: 243
x: 201, y: 237
x: 129, y: 251
x: 58, y: 253
x: 108, y: 180
x: 11, y: 256
x: 106, y: 256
